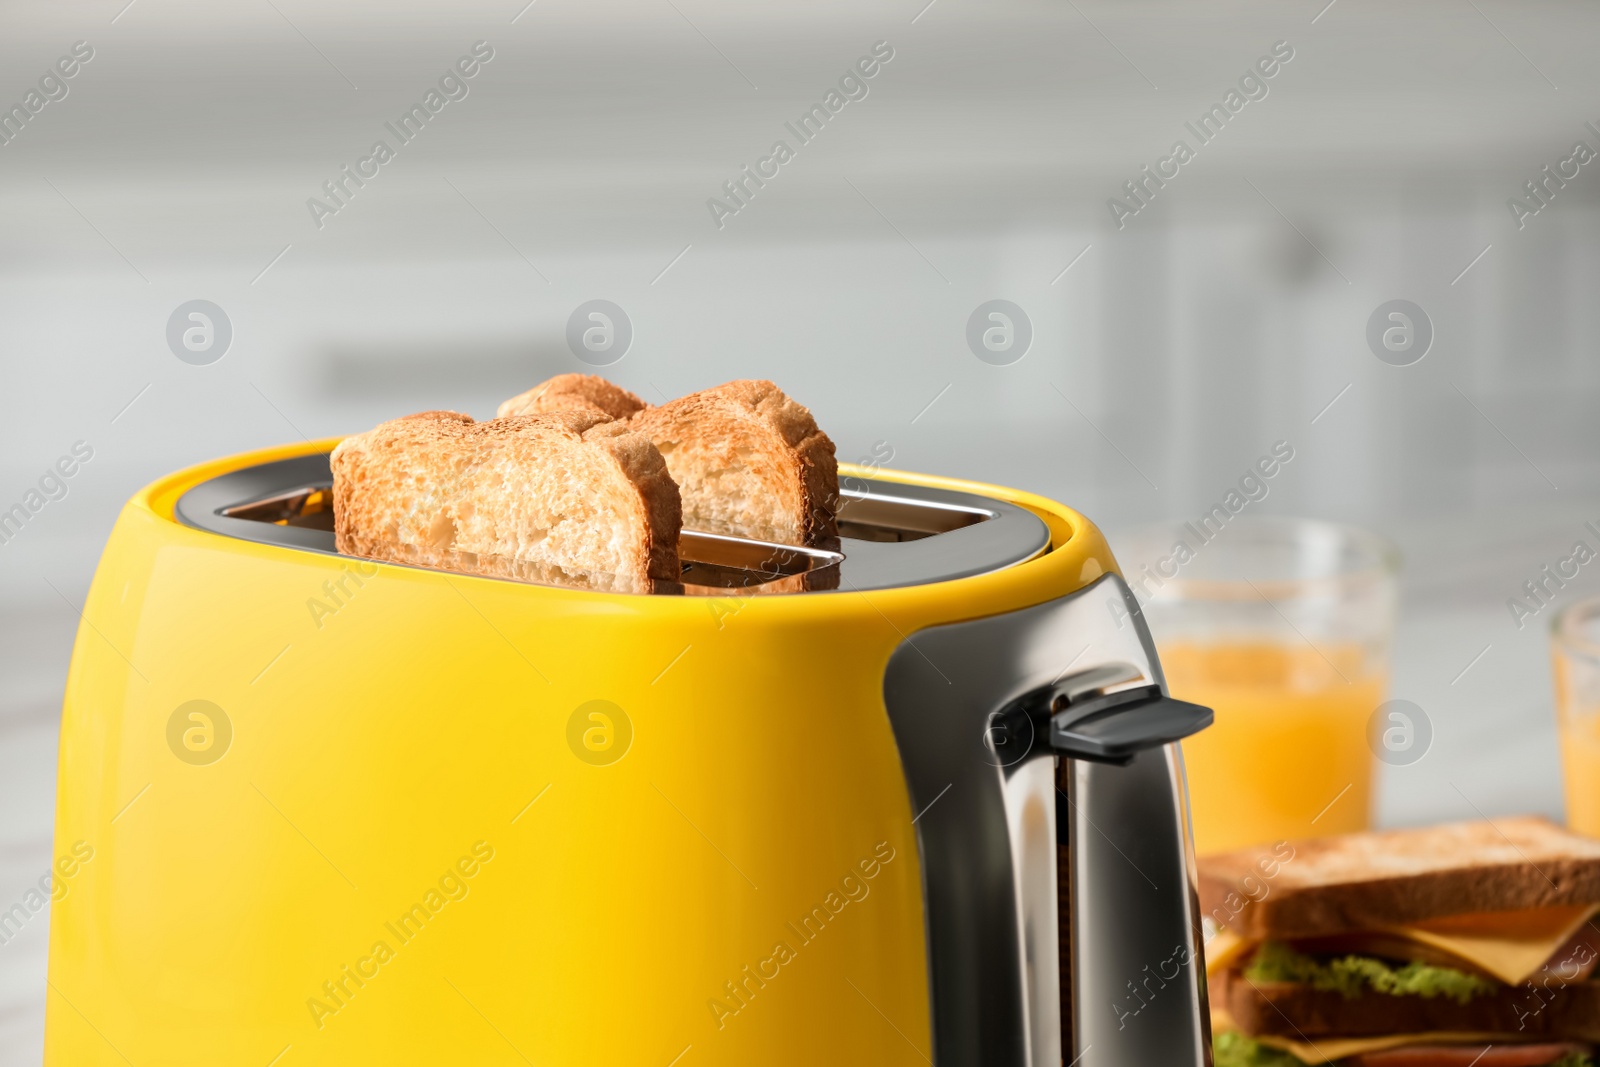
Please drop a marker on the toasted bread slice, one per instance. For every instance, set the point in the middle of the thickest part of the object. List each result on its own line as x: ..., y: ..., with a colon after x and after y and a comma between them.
x: 1378, y: 879
x: 574, y: 392
x: 749, y: 462
x: 568, y: 496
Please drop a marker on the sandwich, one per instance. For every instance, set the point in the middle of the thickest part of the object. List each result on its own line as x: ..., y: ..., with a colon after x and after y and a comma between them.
x: 748, y: 461
x: 569, y: 497
x: 1465, y: 945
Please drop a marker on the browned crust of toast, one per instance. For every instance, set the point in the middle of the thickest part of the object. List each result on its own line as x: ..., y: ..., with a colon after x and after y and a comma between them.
x: 377, y: 472
x: 574, y: 392
x: 1383, y: 878
x: 806, y: 462
x: 642, y: 464
x: 1523, y: 1013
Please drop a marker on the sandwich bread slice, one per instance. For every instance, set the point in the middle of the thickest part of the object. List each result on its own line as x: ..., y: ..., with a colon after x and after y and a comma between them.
x: 1471, y: 943
x: 573, y: 497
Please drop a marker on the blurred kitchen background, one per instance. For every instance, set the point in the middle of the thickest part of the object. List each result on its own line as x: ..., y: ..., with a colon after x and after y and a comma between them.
x: 1228, y: 314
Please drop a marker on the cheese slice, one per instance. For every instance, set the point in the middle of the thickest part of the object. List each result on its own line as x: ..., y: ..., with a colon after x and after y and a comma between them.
x: 1331, y: 1049
x: 1337, y: 1048
x: 1223, y: 949
x: 1510, y: 945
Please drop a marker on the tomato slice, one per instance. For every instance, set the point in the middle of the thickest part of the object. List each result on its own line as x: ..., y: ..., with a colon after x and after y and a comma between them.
x: 1466, y: 1056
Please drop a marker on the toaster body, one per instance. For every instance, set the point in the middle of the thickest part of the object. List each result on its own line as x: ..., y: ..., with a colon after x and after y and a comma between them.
x: 349, y: 812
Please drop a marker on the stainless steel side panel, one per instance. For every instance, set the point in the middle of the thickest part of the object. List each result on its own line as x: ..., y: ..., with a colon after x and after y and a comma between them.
x: 991, y: 848
x: 1137, y: 955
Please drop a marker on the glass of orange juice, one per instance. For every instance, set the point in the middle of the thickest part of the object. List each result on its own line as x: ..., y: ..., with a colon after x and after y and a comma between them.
x: 1575, y: 649
x: 1283, y: 627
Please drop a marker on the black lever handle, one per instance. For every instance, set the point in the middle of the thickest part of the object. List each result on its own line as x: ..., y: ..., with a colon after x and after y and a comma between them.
x: 1103, y: 727
x: 1115, y: 727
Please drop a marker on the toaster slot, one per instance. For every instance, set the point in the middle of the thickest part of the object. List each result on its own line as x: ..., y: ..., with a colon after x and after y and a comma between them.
x: 715, y: 561
x: 862, y: 517
x: 308, y: 507
x: 890, y: 535
x: 876, y: 517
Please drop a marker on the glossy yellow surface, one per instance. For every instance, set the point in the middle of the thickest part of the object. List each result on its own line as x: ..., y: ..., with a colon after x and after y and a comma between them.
x: 419, y: 739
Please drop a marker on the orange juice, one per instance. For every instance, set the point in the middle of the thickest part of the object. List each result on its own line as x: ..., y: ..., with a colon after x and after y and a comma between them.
x: 1287, y: 756
x: 1575, y: 648
x: 1580, y: 766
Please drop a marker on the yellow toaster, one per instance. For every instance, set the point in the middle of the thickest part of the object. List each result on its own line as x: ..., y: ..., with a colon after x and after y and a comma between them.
x: 918, y: 800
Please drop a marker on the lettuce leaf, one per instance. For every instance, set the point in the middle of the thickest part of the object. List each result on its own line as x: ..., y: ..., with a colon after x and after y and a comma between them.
x: 1351, y: 976
x: 1233, y: 1049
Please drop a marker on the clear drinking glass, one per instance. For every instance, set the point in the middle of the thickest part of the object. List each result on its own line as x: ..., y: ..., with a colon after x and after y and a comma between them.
x: 1283, y: 626
x: 1575, y: 655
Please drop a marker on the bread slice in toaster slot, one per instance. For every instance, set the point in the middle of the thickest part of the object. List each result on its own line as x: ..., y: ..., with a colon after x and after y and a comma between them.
x: 749, y: 461
x: 574, y: 392
x: 573, y: 496
x: 710, y: 564
x: 510, y: 568
x: 580, y: 483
